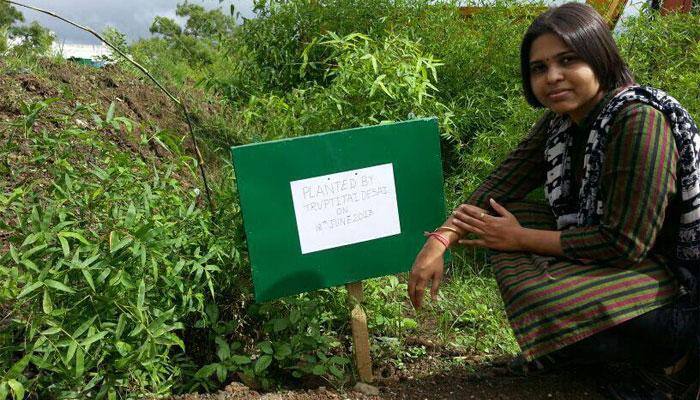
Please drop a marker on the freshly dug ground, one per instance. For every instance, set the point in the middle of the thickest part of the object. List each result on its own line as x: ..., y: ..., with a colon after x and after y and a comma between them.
x: 428, y: 380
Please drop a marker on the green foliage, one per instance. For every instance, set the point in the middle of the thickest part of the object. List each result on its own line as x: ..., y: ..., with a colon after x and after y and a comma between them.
x: 203, y: 23
x: 203, y: 31
x: 107, y: 257
x: 371, y: 82
x: 9, y: 15
x: 118, y: 40
x: 111, y: 278
x: 473, y: 320
x: 3, y: 39
x: 297, y: 337
x: 664, y: 51
x: 278, y: 38
x: 33, y: 37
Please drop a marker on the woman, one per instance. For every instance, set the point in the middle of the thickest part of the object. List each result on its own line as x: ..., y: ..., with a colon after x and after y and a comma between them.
x: 594, y: 274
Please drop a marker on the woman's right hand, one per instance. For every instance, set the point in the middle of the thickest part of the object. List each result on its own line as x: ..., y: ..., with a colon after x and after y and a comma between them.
x: 429, y: 265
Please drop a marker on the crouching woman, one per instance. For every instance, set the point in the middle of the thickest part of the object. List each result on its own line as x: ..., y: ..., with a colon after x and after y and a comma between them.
x: 604, y: 271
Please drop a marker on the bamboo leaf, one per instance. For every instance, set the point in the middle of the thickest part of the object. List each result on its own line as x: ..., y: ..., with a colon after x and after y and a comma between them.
x: 13, y: 253
x: 84, y: 327
x: 90, y: 260
x: 71, y: 351
x: 28, y: 289
x: 17, y: 389
x: 47, y: 304
x: 31, y: 238
x: 64, y: 246
x: 100, y: 173
x: 79, y: 362
x: 121, y: 324
x: 120, y: 245
x: 58, y: 286
x: 30, y: 264
x: 123, y: 348
x: 141, y: 295
x: 88, y: 279
x: 92, y: 339
x: 103, y: 275
x: 110, y: 113
x: 51, y: 331
x: 74, y: 235
x: 34, y: 250
x: 19, y: 366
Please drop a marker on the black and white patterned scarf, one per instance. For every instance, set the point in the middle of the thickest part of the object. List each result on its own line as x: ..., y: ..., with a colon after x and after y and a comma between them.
x: 589, y: 207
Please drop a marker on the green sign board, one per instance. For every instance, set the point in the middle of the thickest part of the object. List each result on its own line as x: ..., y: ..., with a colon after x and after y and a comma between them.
x: 338, y: 207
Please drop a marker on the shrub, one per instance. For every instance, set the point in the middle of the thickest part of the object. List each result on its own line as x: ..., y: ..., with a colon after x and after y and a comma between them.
x: 371, y: 82
x: 107, y: 257
x: 664, y: 51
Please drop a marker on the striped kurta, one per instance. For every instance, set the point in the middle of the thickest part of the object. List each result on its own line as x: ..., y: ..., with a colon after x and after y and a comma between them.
x: 613, y: 271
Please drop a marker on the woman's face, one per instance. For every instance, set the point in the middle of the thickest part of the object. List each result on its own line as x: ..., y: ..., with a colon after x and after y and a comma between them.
x: 560, y: 80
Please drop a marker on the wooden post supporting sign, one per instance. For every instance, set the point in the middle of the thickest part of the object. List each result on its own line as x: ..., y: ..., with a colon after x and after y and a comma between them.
x: 360, y: 335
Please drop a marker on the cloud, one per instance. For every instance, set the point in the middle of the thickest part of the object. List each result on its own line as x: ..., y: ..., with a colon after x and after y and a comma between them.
x: 132, y: 17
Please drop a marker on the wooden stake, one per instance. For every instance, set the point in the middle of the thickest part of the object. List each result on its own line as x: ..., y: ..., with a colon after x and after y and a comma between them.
x: 360, y: 336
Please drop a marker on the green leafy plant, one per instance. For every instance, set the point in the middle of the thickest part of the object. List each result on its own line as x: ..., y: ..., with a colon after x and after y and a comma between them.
x: 102, y: 269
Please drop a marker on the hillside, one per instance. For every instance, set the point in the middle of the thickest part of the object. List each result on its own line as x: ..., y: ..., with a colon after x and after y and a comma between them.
x: 56, y: 126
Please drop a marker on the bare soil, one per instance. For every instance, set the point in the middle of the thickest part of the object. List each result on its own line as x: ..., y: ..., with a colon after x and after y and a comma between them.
x: 428, y: 380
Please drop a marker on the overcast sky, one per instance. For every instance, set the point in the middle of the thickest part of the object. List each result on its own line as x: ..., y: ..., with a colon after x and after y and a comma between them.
x: 132, y: 17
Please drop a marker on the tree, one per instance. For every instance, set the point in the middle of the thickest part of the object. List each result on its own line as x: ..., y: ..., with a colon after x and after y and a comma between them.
x: 32, y: 37
x: 166, y: 27
x: 201, y: 24
x: 212, y: 24
x: 8, y: 16
x: 204, y: 30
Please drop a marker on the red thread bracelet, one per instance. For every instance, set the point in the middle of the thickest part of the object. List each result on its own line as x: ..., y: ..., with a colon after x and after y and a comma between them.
x: 441, y: 238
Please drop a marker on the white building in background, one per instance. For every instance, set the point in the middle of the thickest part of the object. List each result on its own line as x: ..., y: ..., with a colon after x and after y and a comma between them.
x: 95, y: 55
x: 81, y: 51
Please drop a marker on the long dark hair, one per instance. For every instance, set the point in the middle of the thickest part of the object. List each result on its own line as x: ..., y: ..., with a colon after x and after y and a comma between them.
x: 584, y: 31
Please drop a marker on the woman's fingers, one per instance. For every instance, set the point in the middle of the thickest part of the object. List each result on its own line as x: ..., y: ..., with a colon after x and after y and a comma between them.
x: 474, y: 216
x: 474, y: 212
x: 499, y: 208
x: 416, y: 289
x: 468, y: 223
x: 470, y: 209
x: 435, y: 287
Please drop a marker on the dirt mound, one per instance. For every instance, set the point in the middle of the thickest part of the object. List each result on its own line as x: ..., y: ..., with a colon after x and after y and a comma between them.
x: 136, y: 98
x: 57, y: 95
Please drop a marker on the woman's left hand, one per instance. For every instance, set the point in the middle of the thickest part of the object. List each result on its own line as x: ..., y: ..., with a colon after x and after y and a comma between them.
x: 500, y: 232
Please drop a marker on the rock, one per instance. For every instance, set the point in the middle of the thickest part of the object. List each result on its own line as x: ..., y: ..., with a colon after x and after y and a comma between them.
x: 235, y: 387
x: 366, y: 389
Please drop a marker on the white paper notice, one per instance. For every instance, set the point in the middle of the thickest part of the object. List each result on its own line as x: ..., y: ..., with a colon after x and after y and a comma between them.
x: 345, y: 208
